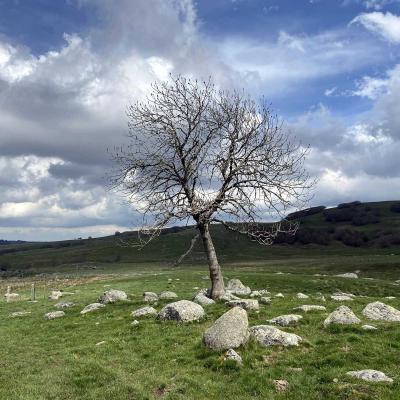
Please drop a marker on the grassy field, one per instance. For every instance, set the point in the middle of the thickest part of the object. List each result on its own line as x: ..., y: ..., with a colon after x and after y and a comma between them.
x: 59, y: 359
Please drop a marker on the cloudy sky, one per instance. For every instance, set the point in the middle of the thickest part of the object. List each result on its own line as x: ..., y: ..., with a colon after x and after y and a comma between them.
x: 68, y: 69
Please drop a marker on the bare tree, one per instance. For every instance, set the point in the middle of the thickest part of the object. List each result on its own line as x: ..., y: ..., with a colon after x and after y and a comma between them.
x: 208, y: 156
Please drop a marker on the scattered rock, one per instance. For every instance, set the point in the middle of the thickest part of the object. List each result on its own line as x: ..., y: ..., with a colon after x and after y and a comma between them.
x: 265, y: 300
x: 341, y: 297
x: 343, y: 294
x: 268, y: 335
x: 92, y: 307
x: 379, y: 311
x: 370, y: 375
x: 229, y: 331
x: 236, y: 287
x: 390, y: 297
x: 20, y: 314
x: 281, y: 385
x: 135, y: 322
x: 111, y: 296
x: 202, y: 299
x: 302, y: 296
x: 351, y: 275
x: 247, y: 304
x: 259, y: 293
x: 64, y: 304
x: 342, y: 315
x: 100, y: 343
x: 166, y: 295
x: 232, y: 355
x: 150, y: 297
x: 280, y: 295
x: 369, y: 328
x: 144, y: 311
x: 228, y: 296
x: 54, y: 315
x: 11, y: 297
x: 181, y: 311
x: 286, y: 320
x: 321, y: 298
x: 310, y: 307
x: 55, y: 294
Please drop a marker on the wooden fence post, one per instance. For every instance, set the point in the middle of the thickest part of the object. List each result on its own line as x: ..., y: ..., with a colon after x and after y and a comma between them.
x: 33, y: 292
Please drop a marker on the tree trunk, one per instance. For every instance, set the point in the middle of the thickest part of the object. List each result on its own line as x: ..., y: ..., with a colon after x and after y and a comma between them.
x: 217, y: 282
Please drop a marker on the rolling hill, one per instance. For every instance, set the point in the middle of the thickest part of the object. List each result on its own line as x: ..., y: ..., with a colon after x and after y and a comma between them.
x: 349, y: 228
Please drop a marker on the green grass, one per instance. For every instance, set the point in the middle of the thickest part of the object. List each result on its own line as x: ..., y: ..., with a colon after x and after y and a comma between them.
x: 59, y: 359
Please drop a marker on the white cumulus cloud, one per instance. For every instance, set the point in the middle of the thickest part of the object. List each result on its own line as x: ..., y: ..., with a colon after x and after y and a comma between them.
x: 386, y: 25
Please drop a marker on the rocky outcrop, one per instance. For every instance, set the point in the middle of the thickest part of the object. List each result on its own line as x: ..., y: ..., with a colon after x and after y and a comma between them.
x: 228, y: 296
x: 64, y: 304
x: 203, y: 300
x: 268, y: 335
x: 229, y: 331
x: 302, y: 296
x: 17, y: 314
x: 235, y: 286
x: 55, y: 294
x: 150, y: 297
x: 92, y: 307
x: 181, y: 311
x: 343, y: 315
x: 144, y: 312
x: 369, y: 328
x: 370, y: 375
x: 379, y: 311
x: 233, y: 356
x: 54, y: 315
x: 341, y: 297
x: 112, y: 296
x: 167, y: 295
x: 350, y: 275
x: 286, y: 320
x: 247, y: 304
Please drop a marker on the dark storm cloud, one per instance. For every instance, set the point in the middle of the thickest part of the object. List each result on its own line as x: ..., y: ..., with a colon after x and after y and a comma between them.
x: 90, y: 174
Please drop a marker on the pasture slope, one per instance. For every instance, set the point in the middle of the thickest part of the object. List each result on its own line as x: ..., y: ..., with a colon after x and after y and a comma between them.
x: 101, y: 355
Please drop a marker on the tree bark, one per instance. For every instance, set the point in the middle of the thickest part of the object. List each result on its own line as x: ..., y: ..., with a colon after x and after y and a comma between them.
x: 217, y: 281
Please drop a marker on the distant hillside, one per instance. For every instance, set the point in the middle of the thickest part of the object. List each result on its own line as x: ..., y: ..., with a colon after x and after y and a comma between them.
x: 349, y: 228
x: 353, y: 224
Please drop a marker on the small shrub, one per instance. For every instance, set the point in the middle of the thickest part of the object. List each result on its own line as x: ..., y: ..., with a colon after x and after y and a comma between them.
x: 364, y: 219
